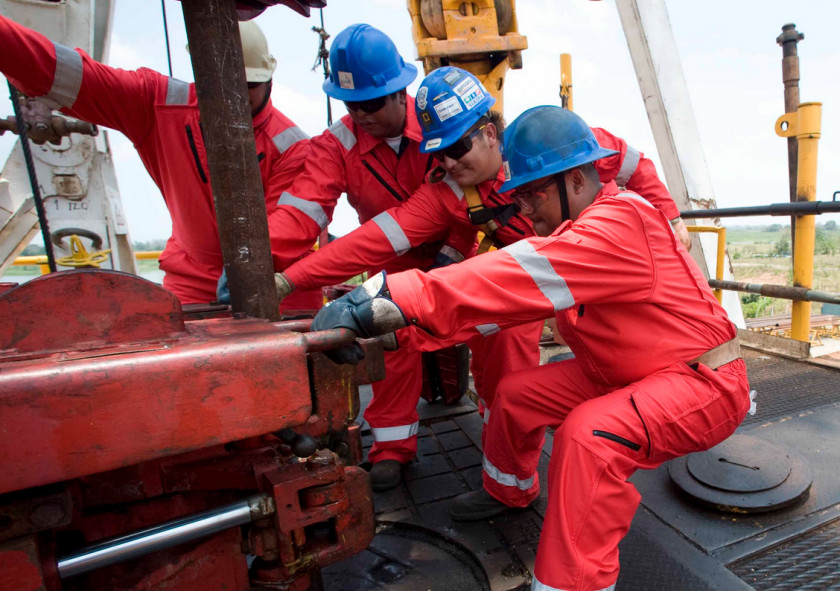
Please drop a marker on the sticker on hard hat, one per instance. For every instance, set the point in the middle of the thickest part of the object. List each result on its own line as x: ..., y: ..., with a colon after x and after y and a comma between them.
x: 345, y: 80
x: 432, y: 144
x: 506, y: 168
x: 453, y: 77
x: 469, y: 92
x: 448, y: 108
x: 421, y: 97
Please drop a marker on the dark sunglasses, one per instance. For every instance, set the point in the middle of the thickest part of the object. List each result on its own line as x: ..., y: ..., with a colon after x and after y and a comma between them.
x: 369, y: 106
x: 460, y: 148
x: 253, y: 85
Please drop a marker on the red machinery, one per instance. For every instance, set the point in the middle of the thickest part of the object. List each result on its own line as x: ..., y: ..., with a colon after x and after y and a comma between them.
x: 228, y: 441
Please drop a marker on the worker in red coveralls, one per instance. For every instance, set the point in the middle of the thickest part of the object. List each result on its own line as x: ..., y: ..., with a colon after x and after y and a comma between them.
x: 657, y: 371
x: 373, y: 155
x: 160, y: 116
x: 462, y: 133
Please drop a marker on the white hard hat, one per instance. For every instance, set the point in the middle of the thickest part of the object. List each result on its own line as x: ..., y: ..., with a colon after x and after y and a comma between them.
x: 259, y: 63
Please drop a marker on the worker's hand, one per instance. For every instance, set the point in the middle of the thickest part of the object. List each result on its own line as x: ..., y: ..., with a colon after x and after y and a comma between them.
x: 223, y: 289
x: 367, y: 310
x: 681, y: 231
x: 283, y: 285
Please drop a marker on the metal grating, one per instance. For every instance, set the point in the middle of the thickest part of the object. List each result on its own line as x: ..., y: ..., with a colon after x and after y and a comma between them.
x: 786, y: 387
x: 808, y: 563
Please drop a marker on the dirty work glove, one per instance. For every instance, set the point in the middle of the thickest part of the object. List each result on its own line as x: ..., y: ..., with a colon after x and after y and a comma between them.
x: 283, y: 285
x: 223, y: 289
x: 367, y: 310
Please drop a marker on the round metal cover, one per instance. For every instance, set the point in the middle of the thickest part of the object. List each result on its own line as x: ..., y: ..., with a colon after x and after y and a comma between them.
x: 407, y: 558
x: 743, y: 474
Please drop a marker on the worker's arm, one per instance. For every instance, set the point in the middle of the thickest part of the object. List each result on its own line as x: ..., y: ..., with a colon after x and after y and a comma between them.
x: 425, y: 217
x: 631, y: 170
x: 70, y: 80
x: 526, y: 281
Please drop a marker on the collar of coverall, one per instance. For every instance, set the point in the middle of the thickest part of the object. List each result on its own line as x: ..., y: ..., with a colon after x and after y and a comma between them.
x: 263, y: 115
x: 411, y: 130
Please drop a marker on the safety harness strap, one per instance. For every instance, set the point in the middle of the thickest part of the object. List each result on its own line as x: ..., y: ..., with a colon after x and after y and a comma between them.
x: 720, y: 355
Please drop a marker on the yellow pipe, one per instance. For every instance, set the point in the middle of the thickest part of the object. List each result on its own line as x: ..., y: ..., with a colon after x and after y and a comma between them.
x: 566, y: 81
x: 721, y: 252
x: 41, y: 260
x: 805, y: 125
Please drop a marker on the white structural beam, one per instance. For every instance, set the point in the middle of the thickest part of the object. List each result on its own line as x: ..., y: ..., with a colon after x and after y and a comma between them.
x: 665, y: 94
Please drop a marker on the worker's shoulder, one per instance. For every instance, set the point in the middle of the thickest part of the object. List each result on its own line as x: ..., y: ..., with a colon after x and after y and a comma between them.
x: 282, y: 131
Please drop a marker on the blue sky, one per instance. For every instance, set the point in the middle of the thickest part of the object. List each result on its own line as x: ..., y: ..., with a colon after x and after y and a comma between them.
x: 730, y: 59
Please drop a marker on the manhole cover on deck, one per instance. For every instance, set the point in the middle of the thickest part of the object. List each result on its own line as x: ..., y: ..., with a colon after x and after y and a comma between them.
x: 743, y: 474
x: 407, y: 558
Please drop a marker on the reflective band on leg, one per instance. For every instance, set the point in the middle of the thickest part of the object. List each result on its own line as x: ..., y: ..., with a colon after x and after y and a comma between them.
x: 310, y: 208
x: 488, y: 329
x: 552, y: 285
x: 537, y: 586
x: 506, y: 479
x: 393, y: 232
x: 628, y: 166
x: 383, y: 434
x: 486, y: 415
x: 68, y: 77
x: 285, y: 140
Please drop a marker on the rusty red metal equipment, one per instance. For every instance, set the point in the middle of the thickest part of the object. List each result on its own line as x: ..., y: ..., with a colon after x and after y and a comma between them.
x: 120, y: 413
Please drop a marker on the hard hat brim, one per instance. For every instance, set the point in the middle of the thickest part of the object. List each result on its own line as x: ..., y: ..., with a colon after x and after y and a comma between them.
x: 556, y: 168
x: 406, y: 77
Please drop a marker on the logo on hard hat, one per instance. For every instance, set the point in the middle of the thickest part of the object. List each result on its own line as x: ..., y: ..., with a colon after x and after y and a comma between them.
x: 432, y: 144
x: 506, y: 168
x: 448, y: 108
x: 345, y: 80
x: 421, y: 97
x: 469, y: 92
x: 452, y: 77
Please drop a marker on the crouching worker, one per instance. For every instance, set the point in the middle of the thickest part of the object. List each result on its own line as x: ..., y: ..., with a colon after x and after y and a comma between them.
x: 657, y: 371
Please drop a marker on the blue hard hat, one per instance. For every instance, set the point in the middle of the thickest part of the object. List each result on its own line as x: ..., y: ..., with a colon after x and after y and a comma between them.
x: 546, y: 140
x: 365, y: 64
x: 449, y: 102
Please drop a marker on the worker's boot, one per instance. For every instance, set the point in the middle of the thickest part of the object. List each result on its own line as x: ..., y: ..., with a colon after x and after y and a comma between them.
x: 477, y: 505
x: 385, y: 475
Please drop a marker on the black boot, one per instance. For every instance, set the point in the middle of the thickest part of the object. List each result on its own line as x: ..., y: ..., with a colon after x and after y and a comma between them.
x: 385, y: 475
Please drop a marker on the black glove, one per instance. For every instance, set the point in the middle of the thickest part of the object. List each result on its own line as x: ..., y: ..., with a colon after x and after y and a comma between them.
x: 367, y: 310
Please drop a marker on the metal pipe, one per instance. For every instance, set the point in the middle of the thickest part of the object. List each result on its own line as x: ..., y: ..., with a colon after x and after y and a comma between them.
x: 165, y: 535
x: 797, y: 294
x: 216, y: 54
x: 805, y: 125
x: 789, y: 39
x: 796, y: 209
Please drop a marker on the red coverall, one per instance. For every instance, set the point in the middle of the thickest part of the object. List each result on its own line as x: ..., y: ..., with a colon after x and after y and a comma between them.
x: 634, y: 308
x: 375, y: 177
x: 160, y: 116
x: 438, y: 210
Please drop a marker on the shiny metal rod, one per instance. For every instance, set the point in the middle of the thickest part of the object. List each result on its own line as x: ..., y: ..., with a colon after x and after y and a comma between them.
x: 165, y: 535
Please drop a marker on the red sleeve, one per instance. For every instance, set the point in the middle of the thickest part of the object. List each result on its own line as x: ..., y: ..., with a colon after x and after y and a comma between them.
x: 602, y: 257
x: 425, y: 217
x: 72, y: 81
x: 631, y: 170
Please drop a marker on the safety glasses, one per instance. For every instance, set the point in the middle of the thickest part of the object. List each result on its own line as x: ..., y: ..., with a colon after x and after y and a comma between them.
x: 459, y: 149
x: 369, y: 106
x: 526, y: 197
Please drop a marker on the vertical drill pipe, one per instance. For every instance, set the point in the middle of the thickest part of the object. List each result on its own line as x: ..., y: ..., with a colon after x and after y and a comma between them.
x: 789, y: 39
x: 805, y: 125
x: 566, y: 96
x: 33, y: 179
x: 216, y: 54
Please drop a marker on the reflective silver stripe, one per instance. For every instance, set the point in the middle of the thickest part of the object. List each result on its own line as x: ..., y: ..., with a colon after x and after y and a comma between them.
x: 488, y: 329
x: 68, y: 77
x: 638, y: 198
x: 344, y: 135
x: 628, y: 166
x: 288, y: 138
x: 537, y: 586
x: 310, y: 208
x: 177, y: 92
x: 456, y: 188
x: 507, y: 479
x: 552, y: 286
x: 452, y: 253
x: 393, y: 232
x: 382, y: 434
x: 486, y: 415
